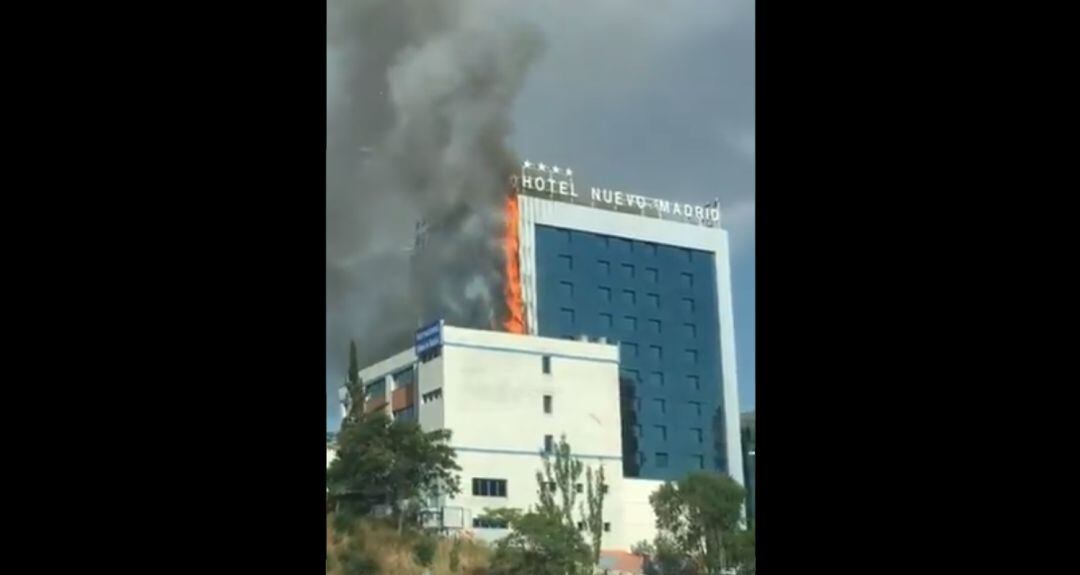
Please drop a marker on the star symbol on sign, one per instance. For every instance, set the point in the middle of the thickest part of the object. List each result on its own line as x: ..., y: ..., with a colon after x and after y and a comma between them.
x: 555, y: 169
x: 541, y: 166
x: 528, y: 164
x: 569, y: 172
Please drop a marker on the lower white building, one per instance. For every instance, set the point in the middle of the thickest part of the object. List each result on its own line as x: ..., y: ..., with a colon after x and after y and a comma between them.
x: 506, y: 398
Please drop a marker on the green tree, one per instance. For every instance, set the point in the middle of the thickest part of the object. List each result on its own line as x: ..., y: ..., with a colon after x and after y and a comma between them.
x: 596, y: 489
x: 540, y: 543
x: 700, y: 515
x: 743, y: 552
x: 380, y: 461
x: 563, y: 472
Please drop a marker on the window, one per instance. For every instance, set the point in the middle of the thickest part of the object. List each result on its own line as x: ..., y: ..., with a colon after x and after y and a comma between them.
x: 696, y: 434
x: 550, y: 486
x: 661, y: 432
x: 607, y: 526
x: 693, y: 381
x: 604, y: 488
x: 489, y: 523
x: 377, y: 389
x: 661, y: 459
x: 631, y: 374
x: 691, y: 356
x: 629, y: 297
x: 688, y: 305
x: 567, y: 316
x: 652, y: 275
x: 549, y: 444
x: 653, y: 299
x: 581, y: 525
x: 604, y: 267
x: 630, y: 323
x: 405, y: 414
x: 661, y: 406
x: 629, y: 349
x: 654, y: 325
x: 578, y: 487
x: 656, y: 379
x: 656, y: 353
x: 404, y: 378
x: 567, y: 289
x: 699, y: 460
x: 605, y: 320
x: 628, y: 271
x: 547, y: 404
x: 695, y: 408
x: 431, y: 396
x: 687, y: 280
x: 546, y: 363
x: 566, y: 263
x: 690, y: 330
x: 605, y: 294
x: 483, y: 487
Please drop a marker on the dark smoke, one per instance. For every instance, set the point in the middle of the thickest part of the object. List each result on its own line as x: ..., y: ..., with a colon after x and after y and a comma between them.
x: 419, y: 97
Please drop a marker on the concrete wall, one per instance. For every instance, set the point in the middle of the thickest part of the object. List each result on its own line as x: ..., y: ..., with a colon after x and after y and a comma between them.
x: 492, y: 386
x: 494, y: 390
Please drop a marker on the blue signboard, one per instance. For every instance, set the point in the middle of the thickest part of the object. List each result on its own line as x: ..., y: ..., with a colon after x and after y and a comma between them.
x: 429, y: 337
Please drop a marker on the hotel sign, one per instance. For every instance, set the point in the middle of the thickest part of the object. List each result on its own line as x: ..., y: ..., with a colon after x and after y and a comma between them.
x: 555, y: 183
x: 429, y: 338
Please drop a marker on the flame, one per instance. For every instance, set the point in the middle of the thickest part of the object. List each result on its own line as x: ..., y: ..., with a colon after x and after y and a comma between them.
x: 515, y: 305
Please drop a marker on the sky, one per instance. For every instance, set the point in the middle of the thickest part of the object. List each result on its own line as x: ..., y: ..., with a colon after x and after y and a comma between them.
x: 655, y: 98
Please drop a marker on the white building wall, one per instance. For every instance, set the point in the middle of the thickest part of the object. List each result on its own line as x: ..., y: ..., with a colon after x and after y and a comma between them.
x: 492, y: 401
x: 536, y: 211
x: 494, y: 389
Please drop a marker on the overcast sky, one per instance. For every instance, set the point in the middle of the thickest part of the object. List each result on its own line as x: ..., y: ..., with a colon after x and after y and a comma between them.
x: 650, y: 97
x: 655, y: 98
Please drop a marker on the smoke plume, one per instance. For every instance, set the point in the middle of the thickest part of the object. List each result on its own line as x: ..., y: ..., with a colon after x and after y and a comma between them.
x: 419, y: 94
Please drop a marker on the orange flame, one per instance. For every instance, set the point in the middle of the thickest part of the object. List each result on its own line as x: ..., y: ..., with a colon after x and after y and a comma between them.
x: 515, y: 305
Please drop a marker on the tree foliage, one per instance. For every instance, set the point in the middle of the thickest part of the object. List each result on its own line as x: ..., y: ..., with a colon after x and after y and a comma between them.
x: 540, y: 543
x: 545, y: 540
x: 562, y: 471
x: 380, y: 461
x: 699, y: 521
x: 593, y: 509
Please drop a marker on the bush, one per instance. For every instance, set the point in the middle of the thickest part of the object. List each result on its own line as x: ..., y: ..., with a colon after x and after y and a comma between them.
x: 343, y: 523
x: 424, y: 550
x: 357, y: 564
x: 455, y: 556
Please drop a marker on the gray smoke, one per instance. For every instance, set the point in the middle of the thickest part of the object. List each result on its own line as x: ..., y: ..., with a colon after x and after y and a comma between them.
x: 419, y: 94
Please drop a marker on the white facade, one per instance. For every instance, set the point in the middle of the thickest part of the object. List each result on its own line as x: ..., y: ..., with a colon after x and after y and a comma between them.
x: 539, y: 211
x: 488, y: 388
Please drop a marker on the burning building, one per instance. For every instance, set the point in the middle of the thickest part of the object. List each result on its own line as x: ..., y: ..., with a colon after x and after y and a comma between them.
x: 614, y: 329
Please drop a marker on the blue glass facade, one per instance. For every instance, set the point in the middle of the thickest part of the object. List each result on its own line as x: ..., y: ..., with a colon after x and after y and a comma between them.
x: 659, y: 303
